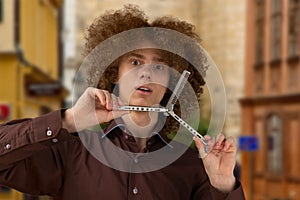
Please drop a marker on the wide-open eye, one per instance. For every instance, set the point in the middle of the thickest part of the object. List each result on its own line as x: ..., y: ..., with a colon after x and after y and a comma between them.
x: 135, y: 62
x: 159, y: 67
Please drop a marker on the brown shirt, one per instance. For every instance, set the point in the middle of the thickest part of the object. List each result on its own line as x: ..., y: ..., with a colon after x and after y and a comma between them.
x: 38, y: 157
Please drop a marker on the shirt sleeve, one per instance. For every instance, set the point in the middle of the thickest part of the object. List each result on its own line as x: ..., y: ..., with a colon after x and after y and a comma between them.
x: 237, y: 193
x: 205, y: 191
x: 32, y: 153
x: 20, y: 137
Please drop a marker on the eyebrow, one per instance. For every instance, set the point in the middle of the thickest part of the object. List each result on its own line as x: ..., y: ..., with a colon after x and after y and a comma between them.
x: 143, y: 57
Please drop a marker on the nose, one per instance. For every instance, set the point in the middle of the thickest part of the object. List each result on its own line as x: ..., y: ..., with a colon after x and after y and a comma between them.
x: 145, y: 72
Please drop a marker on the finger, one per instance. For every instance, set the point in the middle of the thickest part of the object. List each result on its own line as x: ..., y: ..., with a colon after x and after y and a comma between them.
x: 101, y: 97
x: 105, y: 98
x: 211, y: 141
x: 202, y: 148
x: 219, y: 141
x: 95, y: 96
x: 229, y: 144
x: 108, y: 100
x: 98, y: 104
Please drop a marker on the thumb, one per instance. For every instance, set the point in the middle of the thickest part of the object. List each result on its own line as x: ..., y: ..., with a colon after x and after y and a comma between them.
x: 204, y: 149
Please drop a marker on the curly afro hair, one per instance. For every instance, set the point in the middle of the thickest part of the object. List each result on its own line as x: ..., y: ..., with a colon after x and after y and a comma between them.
x: 131, y: 17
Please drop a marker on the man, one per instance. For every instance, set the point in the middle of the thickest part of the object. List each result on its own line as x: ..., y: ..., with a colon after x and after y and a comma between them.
x: 45, y: 156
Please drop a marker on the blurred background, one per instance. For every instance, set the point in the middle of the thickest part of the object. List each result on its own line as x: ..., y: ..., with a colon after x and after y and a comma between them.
x: 255, y: 44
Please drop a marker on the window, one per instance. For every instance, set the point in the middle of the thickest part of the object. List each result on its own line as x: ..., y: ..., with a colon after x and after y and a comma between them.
x: 293, y: 28
x: 259, y: 161
x: 275, y: 145
x: 276, y: 18
x: 259, y: 79
x: 275, y: 78
x: 259, y: 31
x: 293, y: 77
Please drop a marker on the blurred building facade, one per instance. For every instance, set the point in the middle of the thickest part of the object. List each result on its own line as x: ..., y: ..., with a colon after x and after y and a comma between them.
x: 221, y: 25
x: 30, y: 63
x: 271, y: 107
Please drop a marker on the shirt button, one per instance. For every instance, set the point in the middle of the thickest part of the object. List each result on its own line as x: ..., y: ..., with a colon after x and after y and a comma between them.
x: 7, y: 146
x: 49, y: 132
x: 54, y: 140
x: 126, y: 137
x: 136, y: 160
x: 135, y: 191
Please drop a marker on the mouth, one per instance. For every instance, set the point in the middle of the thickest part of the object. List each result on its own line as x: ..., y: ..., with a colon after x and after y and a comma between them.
x: 144, y: 90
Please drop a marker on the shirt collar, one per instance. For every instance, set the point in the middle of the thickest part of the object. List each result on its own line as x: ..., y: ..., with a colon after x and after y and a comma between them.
x: 118, y: 123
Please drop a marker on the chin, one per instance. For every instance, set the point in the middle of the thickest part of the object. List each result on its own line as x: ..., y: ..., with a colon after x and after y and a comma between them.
x: 139, y: 103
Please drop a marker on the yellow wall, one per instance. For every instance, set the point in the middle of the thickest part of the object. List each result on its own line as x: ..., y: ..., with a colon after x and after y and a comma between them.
x: 40, y: 48
x: 9, y: 81
x: 7, y: 27
x: 38, y: 39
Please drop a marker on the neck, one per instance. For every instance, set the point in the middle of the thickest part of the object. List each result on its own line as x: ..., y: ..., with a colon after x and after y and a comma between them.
x: 141, y: 126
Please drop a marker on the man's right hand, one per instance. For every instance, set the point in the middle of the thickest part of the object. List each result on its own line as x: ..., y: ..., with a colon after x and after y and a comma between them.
x: 94, y: 107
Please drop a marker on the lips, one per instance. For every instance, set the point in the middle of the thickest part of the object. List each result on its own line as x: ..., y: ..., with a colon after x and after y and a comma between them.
x: 144, y: 90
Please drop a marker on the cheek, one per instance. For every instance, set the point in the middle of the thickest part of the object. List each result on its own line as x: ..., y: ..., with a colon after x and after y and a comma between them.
x: 124, y: 93
x: 162, y: 79
x: 124, y: 85
x: 167, y: 78
x: 123, y: 70
x: 120, y: 73
x: 126, y: 88
x: 162, y: 90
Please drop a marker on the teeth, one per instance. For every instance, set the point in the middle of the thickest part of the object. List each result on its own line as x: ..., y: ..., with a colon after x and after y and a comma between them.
x: 144, y: 89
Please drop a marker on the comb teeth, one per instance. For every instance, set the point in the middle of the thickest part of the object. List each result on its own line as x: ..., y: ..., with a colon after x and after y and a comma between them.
x: 142, y: 109
x: 178, y: 89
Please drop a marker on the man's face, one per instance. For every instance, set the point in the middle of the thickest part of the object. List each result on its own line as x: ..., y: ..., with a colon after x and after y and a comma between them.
x: 143, y: 78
